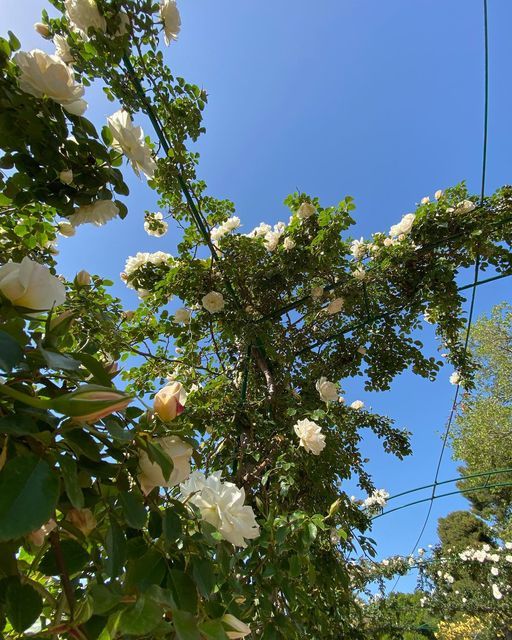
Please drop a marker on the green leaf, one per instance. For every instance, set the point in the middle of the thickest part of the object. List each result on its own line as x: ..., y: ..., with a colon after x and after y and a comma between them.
x: 183, y: 590
x: 29, y: 491
x: 23, y: 604
x: 204, y: 576
x: 19, y: 424
x: 185, y: 625
x: 10, y: 352
x: 171, y: 525
x: 115, y: 548
x: 158, y: 455
x: 147, y: 570
x: 56, y: 360
x: 82, y: 444
x: 95, y: 367
x: 141, y: 618
x: 74, y: 555
x: 13, y: 41
x: 213, y: 630
x: 106, y: 135
x: 134, y: 511
x: 70, y: 476
x: 103, y: 599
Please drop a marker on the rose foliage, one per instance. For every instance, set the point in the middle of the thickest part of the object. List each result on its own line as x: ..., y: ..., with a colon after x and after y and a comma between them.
x: 217, y: 509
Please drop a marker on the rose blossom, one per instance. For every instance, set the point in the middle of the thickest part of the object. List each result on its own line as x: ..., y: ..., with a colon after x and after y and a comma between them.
x: 42, y: 74
x: 328, y: 391
x: 170, y: 401
x: 150, y: 473
x: 129, y: 139
x: 171, y: 18
x: 30, y: 285
x: 310, y: 436
x: 213, y: 302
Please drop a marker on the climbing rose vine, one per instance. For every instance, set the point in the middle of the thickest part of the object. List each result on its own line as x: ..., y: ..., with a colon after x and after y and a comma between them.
x: 178, y: 470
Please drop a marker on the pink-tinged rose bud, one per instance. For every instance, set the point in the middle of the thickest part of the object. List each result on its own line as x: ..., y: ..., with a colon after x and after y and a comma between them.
x: 91, y: 402
x: 170, y: 401
x: 82, y: 519
x: 83, y: 278
x: 37, y: 537
x: 42, y: 29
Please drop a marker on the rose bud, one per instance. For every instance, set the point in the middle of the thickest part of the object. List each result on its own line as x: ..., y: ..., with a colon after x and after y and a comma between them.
x: 170, y: 401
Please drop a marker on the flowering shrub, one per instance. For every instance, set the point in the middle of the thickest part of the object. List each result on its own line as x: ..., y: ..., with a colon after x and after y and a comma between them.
x: 180, y: 474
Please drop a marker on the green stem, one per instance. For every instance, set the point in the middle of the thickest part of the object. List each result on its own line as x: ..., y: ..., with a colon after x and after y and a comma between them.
x: 38, y: 403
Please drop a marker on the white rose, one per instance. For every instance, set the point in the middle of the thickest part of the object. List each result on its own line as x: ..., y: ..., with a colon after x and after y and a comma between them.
x: 42, y: 29
x: 171, y: 18
x: 83, y: 278
x: 358, y: 249
x: 66, y: 176
x: 150, y: 473
x: 272, y: 240
x: 357, y: 404
x: 45, y: 75
x: 335, y: 306
x: 310, y: 436
x: 83, y: 15
x: 438, y: 194
x: 328, y: 391
x: 97, y: 213
x: 155, y: 225
x: 235, y: 628
x: 317, y: 292
x: 62, y: 49
x: 182, y: 316
x: 222, y: 505
x: 31, y: 285
x: 466, y: 206
x: 129, y: 140
x: 289, y: 243
x: 496, y: 592
x: 425, y: 200
x: 455, y: 378
x: 170, y: 401
x: 403, y: 227
x: 306, y: 210
x: 388, y: 242
x: 359, y: 274
x: 213, y: 302
x: 66, y: 229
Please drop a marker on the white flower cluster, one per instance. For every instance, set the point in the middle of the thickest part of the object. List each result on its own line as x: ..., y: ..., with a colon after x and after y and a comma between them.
x: 403, y: 227
x: 226, y: 227
x: 155, y: 225
x: 358, y: 249
x: 271, y: 235
x: 376, y: 502
x: 140, y: 260
x: 222, y: 505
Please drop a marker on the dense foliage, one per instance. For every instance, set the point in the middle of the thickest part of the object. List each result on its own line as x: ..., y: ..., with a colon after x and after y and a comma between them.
x: 104, y: 530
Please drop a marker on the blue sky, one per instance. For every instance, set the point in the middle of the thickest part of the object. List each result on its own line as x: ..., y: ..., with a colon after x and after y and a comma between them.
x: 379, y: 100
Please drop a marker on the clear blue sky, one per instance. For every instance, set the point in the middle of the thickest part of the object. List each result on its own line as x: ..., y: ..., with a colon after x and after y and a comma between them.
x: 379, y: 100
